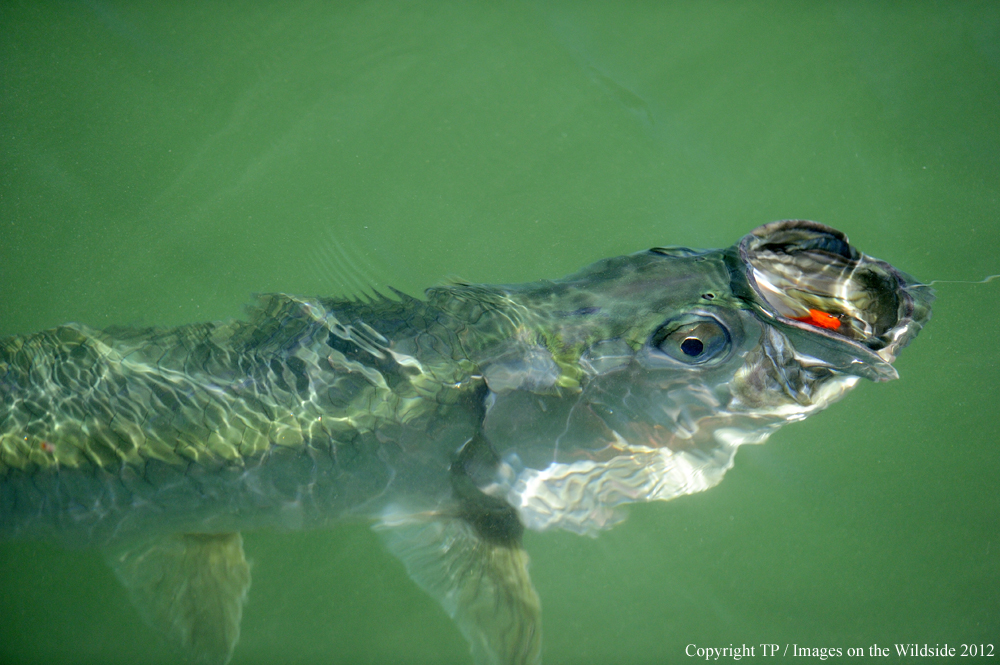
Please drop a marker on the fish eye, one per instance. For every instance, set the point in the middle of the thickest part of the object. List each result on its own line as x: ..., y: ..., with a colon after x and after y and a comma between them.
x: 692, y: 340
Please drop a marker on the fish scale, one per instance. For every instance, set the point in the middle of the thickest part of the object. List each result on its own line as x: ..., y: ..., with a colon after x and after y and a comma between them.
x: 450, y: 423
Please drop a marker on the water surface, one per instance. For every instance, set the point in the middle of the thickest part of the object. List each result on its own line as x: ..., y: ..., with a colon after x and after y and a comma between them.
x: 162, y: 162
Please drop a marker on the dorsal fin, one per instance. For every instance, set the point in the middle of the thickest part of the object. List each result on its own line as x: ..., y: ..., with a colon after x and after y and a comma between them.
x: 403, y: 297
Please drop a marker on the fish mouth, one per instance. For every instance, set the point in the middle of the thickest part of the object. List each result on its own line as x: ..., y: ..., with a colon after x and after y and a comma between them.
x: 807, y: 276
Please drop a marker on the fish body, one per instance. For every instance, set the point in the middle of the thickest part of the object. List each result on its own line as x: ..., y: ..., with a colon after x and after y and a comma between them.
x: 451, y: 423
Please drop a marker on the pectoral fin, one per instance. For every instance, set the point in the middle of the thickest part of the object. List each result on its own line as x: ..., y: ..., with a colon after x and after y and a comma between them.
x: 482, y: 584
x: 192, y: 587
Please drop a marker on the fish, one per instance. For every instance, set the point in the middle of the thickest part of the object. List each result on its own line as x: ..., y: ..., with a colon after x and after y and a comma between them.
x: 450, y: 423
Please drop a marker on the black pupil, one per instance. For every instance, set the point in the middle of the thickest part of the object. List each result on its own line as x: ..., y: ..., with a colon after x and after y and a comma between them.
x: 692, y: 346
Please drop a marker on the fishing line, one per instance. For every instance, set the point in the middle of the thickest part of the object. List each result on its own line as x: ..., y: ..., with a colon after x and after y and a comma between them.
x: 958, y: 281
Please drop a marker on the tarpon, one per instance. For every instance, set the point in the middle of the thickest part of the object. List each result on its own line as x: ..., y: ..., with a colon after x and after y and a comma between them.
x: 450, y: 423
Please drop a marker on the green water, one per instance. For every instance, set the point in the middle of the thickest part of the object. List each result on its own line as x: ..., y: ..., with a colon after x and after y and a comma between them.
x: 163, y: 161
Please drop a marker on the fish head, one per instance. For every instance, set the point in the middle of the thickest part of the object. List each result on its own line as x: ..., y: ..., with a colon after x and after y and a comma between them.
x: 798, y: 316
x: 656, y: 366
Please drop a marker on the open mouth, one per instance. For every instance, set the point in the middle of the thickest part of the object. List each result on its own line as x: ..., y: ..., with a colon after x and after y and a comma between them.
x: 809, y: 274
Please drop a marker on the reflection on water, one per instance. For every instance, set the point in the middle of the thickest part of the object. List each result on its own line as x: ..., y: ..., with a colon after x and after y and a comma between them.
x: 345, y: 268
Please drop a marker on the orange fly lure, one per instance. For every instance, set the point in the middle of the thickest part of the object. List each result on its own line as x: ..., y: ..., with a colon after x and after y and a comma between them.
x: 820, y: 320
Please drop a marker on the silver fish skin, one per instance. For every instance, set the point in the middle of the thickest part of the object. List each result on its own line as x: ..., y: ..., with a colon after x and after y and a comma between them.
x: 451, y: 423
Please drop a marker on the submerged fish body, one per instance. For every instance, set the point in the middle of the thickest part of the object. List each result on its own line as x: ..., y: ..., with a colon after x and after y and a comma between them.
x: 452, y: 423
